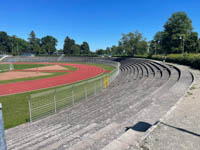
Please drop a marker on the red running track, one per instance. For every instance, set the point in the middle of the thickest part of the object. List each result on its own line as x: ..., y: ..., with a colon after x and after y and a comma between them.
x: 83, y: 72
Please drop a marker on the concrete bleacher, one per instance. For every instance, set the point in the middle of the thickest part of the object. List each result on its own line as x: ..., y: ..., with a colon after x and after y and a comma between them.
x: 115, y: 119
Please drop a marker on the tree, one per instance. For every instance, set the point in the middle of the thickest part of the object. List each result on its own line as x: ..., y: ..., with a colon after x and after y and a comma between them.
x: 142, y: 47
x: 100, y: 52
x: 68, y: 43
x: 133, y: 43
x: 176, y: 29
x: 108, y: 51
x: 75, y: 50
x: 114, y: 50
x: 48, y: 44
x: 156, y: 43
x: 5, y: 44
x: 85, y: 49
x: 192, y: 43
x: 152, y: 47
x: 18, y: 45
x: 34, y: 43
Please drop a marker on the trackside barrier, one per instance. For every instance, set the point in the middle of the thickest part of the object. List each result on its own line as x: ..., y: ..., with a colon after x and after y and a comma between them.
x: 2, y: 132
x: 51, y: 101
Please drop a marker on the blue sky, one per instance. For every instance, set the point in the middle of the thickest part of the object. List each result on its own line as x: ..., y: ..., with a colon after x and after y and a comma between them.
x: 99, y: 22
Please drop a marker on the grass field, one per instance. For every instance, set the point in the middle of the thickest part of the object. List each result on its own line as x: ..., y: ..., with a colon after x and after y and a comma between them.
x: 29, y: 66
x: 15, y: 107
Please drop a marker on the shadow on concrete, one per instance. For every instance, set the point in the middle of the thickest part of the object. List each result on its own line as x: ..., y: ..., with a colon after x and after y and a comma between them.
x: 180, y: 129
x: 140, y: 127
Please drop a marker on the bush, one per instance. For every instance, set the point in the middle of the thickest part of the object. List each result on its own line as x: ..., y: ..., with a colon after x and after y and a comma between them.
x: 192, y: 60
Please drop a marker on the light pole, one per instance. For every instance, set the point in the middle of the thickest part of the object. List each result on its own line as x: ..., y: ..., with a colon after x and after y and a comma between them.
x: 183, y: 44
x: 158, y: 46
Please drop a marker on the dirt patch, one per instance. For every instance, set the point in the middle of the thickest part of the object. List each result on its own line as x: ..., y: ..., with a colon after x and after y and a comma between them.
x: 53, y: 67
x: 18, y: 75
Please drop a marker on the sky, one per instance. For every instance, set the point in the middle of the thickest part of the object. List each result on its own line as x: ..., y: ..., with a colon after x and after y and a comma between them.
x: 99, y: 22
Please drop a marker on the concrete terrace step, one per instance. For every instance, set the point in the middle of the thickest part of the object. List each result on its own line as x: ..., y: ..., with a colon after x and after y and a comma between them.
x: 57, y: 141
x: 121, y: 142
x: 37, y: 138
x: 143, y: 91
x: 30, y: 136
x: 126, y: 140
x: 91, y: 139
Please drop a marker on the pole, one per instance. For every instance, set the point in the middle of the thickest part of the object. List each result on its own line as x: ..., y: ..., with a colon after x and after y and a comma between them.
x: 102, y: 82
x: 29, y: 105
x: 2, y: 131
x: 86, y: 90
x: 72, y: 94
x: 54, y: 98
x: 95, y: 88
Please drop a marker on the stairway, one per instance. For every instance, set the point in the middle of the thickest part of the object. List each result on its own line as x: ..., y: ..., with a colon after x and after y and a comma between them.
x: 142, y: 93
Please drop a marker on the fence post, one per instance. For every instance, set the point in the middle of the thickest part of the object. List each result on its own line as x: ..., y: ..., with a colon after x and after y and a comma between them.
x: 102, y: 83
x: 54, y: 99
x: 85, y: 87
x: 72, y: 94
x: 29, y: 106
x: 95, y: 88
x: 2, y: 131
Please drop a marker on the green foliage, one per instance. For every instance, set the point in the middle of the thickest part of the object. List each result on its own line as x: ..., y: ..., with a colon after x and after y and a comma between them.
x: 34, y: 43
x: 5, y: 44
x: 177, y: 37
x: 108, y: 51
x: 133, y: 43
x: 48, y: 44
x: 100, y: 52
x: 75, y: 50
x: 18, y: 45
x: 68, y: 43
x: 156, y: 44
x: 130, y: 44
x: 192, y: 43
x: 84, y: 48
x: 192, y: 60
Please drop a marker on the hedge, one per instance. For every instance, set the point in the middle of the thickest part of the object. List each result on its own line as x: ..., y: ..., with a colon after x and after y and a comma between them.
x: 189, y: 59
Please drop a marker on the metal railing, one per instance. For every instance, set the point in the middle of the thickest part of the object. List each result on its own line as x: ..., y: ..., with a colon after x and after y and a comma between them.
x: 51, y: 101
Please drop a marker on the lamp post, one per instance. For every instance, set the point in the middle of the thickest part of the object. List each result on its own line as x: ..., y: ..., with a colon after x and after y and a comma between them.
x: 158, y: 46
x: 183, y: 44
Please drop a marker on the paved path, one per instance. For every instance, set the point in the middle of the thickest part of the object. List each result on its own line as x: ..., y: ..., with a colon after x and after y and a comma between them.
x: 83, y: 72
x: 179, y: 129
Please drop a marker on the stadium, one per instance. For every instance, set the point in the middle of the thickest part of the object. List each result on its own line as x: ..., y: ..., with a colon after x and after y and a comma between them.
x: 80, y: 103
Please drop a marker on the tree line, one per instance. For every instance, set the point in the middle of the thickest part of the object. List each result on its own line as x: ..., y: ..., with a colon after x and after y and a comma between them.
x: 177, y: 37
x: 44, y: 46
